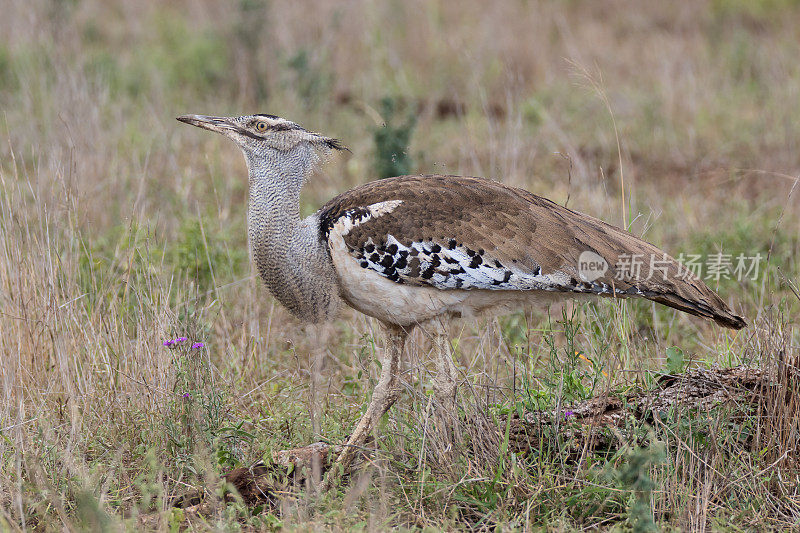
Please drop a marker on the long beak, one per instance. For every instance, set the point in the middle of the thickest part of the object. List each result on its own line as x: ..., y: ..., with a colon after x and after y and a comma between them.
x: 217, y: 124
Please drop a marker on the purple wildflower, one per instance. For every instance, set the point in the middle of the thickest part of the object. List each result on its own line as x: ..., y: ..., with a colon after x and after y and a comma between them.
x: 568, y: 414
x: 173, y: 342
x: 197, y: 345
x: 187, y: 395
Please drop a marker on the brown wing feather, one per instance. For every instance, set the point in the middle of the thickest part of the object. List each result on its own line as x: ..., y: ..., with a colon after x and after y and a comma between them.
x: 524, y: 232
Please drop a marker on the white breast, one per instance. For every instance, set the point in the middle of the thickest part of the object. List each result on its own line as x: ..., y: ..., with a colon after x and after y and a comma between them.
x: 373, y: 294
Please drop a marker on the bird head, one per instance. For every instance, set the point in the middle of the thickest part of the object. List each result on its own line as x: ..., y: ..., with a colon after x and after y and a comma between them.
x: 261, y: 134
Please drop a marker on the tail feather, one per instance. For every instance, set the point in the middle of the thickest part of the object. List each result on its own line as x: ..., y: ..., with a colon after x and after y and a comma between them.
x: 716, y: 311
x: 661, y: 278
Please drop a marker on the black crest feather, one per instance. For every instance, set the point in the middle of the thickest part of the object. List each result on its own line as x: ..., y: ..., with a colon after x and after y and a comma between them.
x: 336, y: 144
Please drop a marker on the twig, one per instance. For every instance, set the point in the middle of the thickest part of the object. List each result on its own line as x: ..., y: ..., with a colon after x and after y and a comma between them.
x: 19, y: 424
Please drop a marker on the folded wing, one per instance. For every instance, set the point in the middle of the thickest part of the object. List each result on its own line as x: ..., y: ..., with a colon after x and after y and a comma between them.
x: 459, y: 233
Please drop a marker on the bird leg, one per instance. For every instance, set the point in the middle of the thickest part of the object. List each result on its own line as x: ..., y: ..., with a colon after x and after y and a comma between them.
x: 384, y: 395
x: 444, y: 387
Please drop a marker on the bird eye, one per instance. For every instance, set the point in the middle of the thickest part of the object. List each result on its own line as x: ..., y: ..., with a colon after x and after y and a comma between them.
x: 261, y: 126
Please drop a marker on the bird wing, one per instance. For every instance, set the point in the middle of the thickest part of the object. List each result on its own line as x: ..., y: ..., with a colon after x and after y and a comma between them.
x: 460, y: 233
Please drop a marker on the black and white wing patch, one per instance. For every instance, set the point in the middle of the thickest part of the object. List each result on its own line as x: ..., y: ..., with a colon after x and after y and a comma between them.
x: 447, y: 266
x: 444, y: 265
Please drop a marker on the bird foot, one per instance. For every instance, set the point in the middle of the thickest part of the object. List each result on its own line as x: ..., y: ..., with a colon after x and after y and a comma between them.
x: 348, y: 458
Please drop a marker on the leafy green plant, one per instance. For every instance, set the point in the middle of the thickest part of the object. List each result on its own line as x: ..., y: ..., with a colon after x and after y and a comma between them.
x: 567, y: 377
x: 675, y: 360
x: 199, y: 417
x: 392, y: 140
x: 634, y: 474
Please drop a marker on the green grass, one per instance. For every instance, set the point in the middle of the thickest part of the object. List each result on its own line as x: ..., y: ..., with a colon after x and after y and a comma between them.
x: 120, y: 228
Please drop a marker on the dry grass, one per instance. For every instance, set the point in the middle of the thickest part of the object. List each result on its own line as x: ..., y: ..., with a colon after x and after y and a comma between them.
x: 120, y: 229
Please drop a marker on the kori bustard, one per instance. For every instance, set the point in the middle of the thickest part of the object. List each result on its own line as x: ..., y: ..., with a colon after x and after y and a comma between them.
x: 418, y: 250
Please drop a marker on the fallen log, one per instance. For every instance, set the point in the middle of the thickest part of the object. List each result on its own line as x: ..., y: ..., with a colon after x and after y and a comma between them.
x: 605, y: 421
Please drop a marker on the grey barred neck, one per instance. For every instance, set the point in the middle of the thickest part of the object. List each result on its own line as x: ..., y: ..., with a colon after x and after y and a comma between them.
x: 288, y: 252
